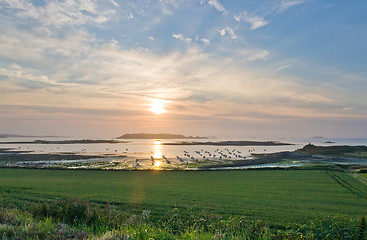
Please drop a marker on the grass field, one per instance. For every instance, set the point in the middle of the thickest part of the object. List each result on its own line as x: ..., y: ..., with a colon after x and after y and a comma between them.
x: 279, y: 197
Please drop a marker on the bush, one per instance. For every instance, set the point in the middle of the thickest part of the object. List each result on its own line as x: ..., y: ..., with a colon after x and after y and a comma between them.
x: 78, y: 212
x: 21, y: 225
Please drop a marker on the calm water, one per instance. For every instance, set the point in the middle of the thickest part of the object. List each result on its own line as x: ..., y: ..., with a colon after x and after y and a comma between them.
x: 145, y: 148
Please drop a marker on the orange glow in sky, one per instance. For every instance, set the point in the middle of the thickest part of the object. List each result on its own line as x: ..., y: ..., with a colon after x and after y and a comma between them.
x: 157, y: 106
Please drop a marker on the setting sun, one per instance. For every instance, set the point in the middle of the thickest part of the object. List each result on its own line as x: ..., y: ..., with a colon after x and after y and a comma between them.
x: 157, y: 106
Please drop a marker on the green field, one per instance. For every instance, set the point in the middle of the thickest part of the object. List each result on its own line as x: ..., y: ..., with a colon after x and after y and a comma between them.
x: 279, y: 197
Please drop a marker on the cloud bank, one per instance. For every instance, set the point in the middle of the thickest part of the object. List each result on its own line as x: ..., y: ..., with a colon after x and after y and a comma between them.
x: 98, y: 64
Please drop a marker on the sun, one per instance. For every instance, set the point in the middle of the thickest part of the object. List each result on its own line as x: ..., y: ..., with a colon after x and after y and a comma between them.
x: 157, y: 106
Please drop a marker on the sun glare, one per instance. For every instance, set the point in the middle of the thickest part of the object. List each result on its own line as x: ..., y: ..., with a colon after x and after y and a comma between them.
x: 157, y: 106
x: 157, y: 154
x: 157, y: 163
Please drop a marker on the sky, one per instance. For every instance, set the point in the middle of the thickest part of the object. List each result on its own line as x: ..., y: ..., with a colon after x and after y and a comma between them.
x: 224, y: 68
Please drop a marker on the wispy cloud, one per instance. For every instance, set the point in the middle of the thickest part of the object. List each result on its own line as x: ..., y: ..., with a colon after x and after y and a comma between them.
x: 282, y: 68
x: 257, y: 21
x: 229, y: 31
x: 256, y: 54
x: 130, y: 16
x: 168, y: 6
x: 58, y: 14
x: 181, y: 37
x: 216, y: 4
x: 254, y: 21
x: 115, y: 3
x: 285, y: 4
x: 205, y: 41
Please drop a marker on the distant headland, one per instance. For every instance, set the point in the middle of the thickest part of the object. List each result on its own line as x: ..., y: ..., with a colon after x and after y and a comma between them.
x: 157, y: 136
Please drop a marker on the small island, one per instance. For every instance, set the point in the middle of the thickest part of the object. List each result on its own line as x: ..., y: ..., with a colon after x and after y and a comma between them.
x: 157, y: 136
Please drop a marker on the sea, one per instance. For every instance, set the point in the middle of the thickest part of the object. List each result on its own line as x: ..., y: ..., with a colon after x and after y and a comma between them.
x: 146, y: 148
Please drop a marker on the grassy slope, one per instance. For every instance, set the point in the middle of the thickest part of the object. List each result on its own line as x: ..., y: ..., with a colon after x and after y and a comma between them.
x: 278, y: 196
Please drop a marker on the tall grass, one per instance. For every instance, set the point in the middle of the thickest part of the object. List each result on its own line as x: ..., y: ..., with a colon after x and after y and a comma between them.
x: 76, y: 219
x: 15, y: 224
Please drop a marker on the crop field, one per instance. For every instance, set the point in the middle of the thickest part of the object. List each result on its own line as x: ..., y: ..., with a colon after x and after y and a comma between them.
x: 278, y: 197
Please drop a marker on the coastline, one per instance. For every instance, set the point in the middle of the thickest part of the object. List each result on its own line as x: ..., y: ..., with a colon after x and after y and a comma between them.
x: 82, y: 141
x: 232, y: 143
x: 350, y: 156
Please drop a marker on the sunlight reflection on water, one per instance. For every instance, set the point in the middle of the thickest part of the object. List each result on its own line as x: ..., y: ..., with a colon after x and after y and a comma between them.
x: 157, y: 149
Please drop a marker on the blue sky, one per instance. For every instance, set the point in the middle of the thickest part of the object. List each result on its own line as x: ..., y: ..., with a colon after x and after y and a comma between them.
x: 275, y: 68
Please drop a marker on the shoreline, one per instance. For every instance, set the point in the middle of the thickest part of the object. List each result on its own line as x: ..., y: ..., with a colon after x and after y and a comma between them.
x: 83, y: 141
x: 309, y: 154
x: 232, y: 143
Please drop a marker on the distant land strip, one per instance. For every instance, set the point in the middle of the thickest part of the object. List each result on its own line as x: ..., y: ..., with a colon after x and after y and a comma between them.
x: 232, y: 143
x: 157, y: 136
x: 83, y: 141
